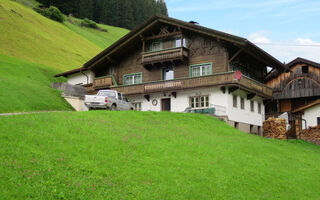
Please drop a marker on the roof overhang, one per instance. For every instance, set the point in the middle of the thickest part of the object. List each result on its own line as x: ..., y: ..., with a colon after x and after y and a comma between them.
x: 136, y: 34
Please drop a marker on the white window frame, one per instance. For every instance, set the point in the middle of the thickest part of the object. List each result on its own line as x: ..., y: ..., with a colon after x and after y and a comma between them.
x: 137, y: 106
x: 133, y: 78
x: 201, y: 66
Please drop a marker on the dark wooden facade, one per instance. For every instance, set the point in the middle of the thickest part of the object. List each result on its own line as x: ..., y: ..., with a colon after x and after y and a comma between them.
x: 293, y: 89
x: 182, y: 45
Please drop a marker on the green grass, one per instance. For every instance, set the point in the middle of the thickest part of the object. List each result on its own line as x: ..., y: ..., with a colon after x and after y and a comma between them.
x: 135, y: 155
x: 33, y: 48
x: 99, y: 38
x: 25, y: 86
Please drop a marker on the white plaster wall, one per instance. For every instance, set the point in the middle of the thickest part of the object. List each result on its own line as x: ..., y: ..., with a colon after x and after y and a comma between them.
x: 216, y: 97
x: 180, y: 103
x: 79, y: 78
x: 245, y: 116
x: 310, y: 115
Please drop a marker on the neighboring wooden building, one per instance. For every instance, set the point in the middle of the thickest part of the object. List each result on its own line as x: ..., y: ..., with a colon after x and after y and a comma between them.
x: 170, y: 65
x: 294, y: 90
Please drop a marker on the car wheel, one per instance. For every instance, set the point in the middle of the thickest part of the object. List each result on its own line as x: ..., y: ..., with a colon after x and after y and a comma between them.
x: 113, y: 107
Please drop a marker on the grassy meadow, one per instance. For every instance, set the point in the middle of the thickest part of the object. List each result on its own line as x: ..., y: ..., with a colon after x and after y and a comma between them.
x: 33, y: 48
x: 118, y: 155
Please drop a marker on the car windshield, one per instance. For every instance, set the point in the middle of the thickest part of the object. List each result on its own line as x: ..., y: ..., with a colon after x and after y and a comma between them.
x: 107, y: 93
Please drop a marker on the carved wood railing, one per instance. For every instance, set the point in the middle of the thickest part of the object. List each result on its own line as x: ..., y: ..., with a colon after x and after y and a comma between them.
x: 225, y: 79
x: 164, y: 55
x: 106, y: 81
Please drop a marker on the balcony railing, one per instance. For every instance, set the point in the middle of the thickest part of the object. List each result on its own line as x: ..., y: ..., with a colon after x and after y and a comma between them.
x: 223, y: 79
x: 179, y: 53
x: 103, y: 82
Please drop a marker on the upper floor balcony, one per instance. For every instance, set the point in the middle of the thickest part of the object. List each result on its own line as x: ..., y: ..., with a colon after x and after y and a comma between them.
x: 177, y: 54
x: 223, y: 80
x: 103, y: 82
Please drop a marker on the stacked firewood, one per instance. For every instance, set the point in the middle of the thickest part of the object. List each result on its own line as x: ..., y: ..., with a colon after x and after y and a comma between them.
x: 312, y: 134
x: 275, y: 128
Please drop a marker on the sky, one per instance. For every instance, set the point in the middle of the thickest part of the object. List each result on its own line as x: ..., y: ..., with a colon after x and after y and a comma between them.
x: 284, y: 28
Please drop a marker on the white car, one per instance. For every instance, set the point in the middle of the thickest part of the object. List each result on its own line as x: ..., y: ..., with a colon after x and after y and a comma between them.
x: 107, y: 99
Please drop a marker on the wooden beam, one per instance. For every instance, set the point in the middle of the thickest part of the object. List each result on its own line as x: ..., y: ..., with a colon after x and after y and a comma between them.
x: 223, y: 89
x: 235, y: 55
x: 164, y: 35
x: 174, y: 94
x: 147, y: 97
x: 250, y: 95
x: 232, y: 89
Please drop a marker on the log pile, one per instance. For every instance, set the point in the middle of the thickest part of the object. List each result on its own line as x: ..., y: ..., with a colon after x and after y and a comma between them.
x: 312, y: 134
x: 275, y: 128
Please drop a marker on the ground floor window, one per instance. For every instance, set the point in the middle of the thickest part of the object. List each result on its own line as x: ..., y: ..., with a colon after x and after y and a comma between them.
x: 318, y: 119
x: 252, y: 106
x: 242, y: 103
x: 259, y: 108
x: 137, y: 106
x: 199, y: 102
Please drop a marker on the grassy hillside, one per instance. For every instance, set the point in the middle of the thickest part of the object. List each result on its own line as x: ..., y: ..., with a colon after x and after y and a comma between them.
x: 25, y: 86
x: 134, y: 155
x: 34, y: 48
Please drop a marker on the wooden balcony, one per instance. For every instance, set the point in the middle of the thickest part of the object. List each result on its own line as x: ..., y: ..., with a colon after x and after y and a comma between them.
x: 224, y: 79
x: 166, y: 55
x: 103, y: 82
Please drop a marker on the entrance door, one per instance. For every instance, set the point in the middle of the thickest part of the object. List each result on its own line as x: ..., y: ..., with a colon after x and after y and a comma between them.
x: 165, y: 104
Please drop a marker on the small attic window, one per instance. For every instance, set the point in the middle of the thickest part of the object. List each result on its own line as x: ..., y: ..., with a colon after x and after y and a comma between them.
x: 305, y: 69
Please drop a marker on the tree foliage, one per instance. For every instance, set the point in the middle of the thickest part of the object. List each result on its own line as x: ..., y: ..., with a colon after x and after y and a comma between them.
x: 122, y: 13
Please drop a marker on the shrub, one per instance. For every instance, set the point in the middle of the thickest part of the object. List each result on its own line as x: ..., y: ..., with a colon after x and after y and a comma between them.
x: 89, y: 23
x: 52, y: 12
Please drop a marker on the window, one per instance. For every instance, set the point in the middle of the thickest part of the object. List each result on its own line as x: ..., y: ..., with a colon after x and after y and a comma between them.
x: 252, y: 106
x: 177, y: 42
x: 259, y: 108
x: 199, y: 102
x: 131, y: 79
x: 305, y: 69
x: 155, y: 46
x: 168, y: 73
x: 137, y: 106
x: 119, y: 96
x: 318, y: 120
x: 200, y: 70
x: 235, y: 102
x: 242, y: 103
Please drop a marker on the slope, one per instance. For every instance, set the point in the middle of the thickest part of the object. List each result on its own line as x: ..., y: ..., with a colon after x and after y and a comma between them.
x: 25, y: 86
x: 134, y: 155
x: 34, y: 48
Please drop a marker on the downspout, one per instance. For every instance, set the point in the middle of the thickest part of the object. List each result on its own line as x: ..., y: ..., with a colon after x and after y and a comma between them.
x: 85, y: 75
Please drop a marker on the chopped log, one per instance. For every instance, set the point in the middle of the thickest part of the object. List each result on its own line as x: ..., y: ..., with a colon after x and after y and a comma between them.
x: 312, y: 134
x: 274, y: 128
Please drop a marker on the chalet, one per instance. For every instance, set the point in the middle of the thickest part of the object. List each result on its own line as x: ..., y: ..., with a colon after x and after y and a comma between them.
x: 296, y: 90
x: 170, y: 65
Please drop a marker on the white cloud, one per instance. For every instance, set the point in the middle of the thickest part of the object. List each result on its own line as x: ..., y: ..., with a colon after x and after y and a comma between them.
x: 289, y: 50
x: 259, y: 37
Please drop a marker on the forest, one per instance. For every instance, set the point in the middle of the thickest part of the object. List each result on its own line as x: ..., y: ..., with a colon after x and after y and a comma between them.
x: 122, y: 13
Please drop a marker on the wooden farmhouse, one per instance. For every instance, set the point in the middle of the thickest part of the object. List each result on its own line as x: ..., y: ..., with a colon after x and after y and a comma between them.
x: 170, y: 65
x: 296, y: 90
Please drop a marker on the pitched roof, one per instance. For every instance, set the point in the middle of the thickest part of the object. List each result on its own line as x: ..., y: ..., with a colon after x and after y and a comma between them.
x: 242, y: 43
x: 298, y: 60
x: 307, y: 106
x: 302, y: 61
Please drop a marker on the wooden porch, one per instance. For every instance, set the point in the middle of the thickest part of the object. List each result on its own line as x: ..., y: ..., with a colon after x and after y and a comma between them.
x: 223, y: 79
x: 103, y: 82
